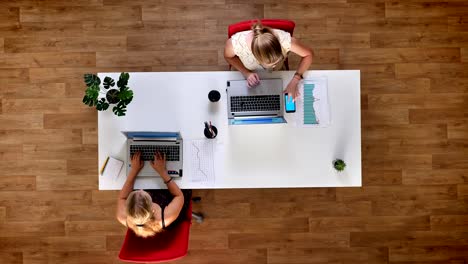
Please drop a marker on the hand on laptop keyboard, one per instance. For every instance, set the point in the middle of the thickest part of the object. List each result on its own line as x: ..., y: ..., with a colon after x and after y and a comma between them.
x: 252, y: 79
x: 137, y: 162
x: 159, y: 162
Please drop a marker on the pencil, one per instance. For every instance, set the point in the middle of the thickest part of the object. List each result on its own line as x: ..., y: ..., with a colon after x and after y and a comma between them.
x: 104, y: 166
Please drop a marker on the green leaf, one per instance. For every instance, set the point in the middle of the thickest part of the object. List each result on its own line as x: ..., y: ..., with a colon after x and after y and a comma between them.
x: 123, y: 80
x: 102, y: 105
x: 108, y: 82
x: 91, y: 79
x: 92, y: 92
x: 125, y: 95
x: 89, y: 101
x: 119, y: 109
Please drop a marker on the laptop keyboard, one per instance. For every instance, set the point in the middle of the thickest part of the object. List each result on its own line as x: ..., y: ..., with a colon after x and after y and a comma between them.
x: 147, y: 151
x: 255, y: 103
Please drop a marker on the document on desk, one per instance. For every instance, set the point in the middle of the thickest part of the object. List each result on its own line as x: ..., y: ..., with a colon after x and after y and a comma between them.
x: 201, y: 164
x: 313, y: 109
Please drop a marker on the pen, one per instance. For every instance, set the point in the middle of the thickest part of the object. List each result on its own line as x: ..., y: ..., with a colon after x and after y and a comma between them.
x: 211, y: 130
x: 104, y: 166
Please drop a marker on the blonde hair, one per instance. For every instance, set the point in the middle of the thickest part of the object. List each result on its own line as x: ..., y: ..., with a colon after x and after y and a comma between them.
x: 140, y: 216
x: 266, y: 47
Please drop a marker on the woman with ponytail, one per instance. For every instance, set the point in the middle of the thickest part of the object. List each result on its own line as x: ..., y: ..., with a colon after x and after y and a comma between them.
x: 149, y: 212
x: 265, y: 48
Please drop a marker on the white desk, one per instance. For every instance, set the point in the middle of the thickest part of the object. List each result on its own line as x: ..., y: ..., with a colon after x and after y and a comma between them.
x: 248, y: 156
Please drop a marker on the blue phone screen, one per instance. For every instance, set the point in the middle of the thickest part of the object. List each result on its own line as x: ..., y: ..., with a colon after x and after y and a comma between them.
x: 289, y: 103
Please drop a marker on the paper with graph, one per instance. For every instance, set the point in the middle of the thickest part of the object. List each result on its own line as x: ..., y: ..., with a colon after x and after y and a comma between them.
x: 313, y: 109
x: 201, y: 162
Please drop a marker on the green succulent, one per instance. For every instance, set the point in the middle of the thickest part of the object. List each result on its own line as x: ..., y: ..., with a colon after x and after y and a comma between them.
x: 339, y: 165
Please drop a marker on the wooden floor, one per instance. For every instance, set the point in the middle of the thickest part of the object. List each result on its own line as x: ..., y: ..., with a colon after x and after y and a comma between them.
x: 413, y: 57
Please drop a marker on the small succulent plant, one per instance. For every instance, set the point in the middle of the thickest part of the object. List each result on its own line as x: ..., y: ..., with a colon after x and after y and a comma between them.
x: 339, y: 165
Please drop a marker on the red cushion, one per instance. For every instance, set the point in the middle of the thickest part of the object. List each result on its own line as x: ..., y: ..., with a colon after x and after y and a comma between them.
x: 170, y: 244
x: 283, y: 24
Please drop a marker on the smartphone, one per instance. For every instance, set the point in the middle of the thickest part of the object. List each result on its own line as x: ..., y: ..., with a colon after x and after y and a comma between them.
x: 290, y: 105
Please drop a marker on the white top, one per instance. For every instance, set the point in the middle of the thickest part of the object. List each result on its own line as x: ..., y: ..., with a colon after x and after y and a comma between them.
x: 244, y: 52
x: 245, y: 156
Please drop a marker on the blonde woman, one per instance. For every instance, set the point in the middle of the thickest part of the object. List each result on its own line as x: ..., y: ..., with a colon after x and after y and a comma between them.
x: 149, y: 212
x: 265, y: 48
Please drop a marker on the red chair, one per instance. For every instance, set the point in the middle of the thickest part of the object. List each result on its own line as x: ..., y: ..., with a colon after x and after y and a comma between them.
x: 283, y: 24
x: 170, y: 244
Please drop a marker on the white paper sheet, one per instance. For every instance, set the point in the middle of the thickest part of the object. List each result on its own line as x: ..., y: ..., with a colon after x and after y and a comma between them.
x: 317, y: 97
x: 201, y: 166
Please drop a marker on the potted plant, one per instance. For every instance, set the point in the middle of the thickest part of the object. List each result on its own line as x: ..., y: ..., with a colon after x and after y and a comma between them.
x: 120, y: 97
x: 339, y: 165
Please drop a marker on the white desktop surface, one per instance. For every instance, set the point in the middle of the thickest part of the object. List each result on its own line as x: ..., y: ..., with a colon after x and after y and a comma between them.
x: 246, y: 156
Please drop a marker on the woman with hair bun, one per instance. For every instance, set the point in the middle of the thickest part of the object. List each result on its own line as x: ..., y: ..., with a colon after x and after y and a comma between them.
x: 265, y: 48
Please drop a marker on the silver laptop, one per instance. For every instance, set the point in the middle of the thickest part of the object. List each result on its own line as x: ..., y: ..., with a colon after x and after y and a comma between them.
x: 262, y: 104
x: 149, y: 143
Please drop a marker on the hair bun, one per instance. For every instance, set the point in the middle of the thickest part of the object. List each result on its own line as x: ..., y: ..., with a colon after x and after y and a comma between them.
x: 258, y: 28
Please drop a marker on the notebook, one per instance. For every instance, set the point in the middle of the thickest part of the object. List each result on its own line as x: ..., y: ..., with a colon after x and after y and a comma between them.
x: 111, y: 167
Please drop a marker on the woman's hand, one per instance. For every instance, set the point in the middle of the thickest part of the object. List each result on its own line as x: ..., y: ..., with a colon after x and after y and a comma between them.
x: 159, y: 163
x: 252, y: 79
x: 291, y: 89
x: 137, y: 163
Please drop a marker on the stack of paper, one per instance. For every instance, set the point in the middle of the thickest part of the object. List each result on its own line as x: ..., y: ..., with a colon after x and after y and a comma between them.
x: 313, y: 109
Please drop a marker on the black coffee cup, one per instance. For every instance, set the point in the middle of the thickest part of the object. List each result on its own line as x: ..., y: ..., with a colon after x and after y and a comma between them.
x: 214, y: 96
x: 208, y: 133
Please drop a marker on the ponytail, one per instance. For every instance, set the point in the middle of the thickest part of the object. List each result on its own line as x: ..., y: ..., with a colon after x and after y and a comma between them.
x: 265, y: 46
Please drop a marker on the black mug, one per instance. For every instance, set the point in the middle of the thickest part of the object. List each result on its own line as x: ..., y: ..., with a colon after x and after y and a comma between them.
x: 208, y: 133
x: 214, y: 96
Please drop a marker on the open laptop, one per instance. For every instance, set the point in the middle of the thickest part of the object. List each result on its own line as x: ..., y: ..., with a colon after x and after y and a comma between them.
x: 262, y: 104
x: 149, y: 143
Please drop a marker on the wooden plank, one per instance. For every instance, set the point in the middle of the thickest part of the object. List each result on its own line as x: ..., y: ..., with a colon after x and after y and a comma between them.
x: 202, y: 11
x: 458, y: 24
x: 347, y: 24
x: 424, y: 146
x: 212, y: 240
x: 418, y: 40
x: 94, y: 228
x: 381, y: 177
x: 157, y: 58
x: 309, y: 10
x: 449, y: 85
x: 90, y: 136
x: 309, y: 209
x: 58, y: 151
x: 22, y: 3
x: 463, y: 191
x: 108, y: 198
x: 306, y: 27
x: 32, y: 167
x: 335, y: 41
x: 114, y: 242
x: 8, y: 76
x: 449, y: 222
x: 371, y: 71
x: 464, y: 55
x: 435, y: 9
x: 417, y: 131
x: 98, y: 257
x: 32, y: 228
x: 228, y: 256
x: 225, y: 210
x: 17, y: 183
x: 375, y: 193
x: 39, y: 198
x: 80, y: 166
x: 383, y: 117
x: 398, y: 55
x: 12, y: 244
x: 60, y: 212
x: 252, y: 225
x: 434, y: 177
x: 328, y: 255
x: 457, y: 131
x: 396, y: 86
x: 288, y: 240
x: 414, y: 70
x: 73, y: 121
x: 408, y: 238
x: 26, y: 106
x: 9, y: 15
x: 419, y: 207
x: 48, y: 59
x: 79, y: 13
x: 66, y: 182
x: 74, y: 75
x: 50, y: 136
x: 2, y: 44
x: 166, y: 43
x: 398, y: 162
x: 41, y: 29
x: 11, y: 257
x: 444, y: 254
x: 11, y: 152
x: 226, y: 196
x: 373, y: 223
x: 24, y: 91
x: 79, y: 243
x: 437, y: 116
x: 64, y: 44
